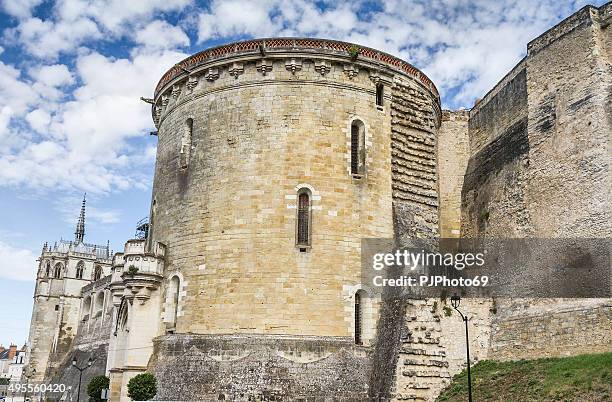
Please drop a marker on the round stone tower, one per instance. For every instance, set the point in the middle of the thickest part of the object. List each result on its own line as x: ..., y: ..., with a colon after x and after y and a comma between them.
x: 275, y: 158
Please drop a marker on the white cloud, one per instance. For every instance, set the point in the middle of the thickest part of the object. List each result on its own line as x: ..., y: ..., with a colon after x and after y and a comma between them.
x: 15, y: 92
x: 39, y: 120
x: 105, y: 217
x: 81, y: 143
x: 20, y: 8
x: 115, y: 16
x: 16, y: 263
x: 74, y: 22
x: 47, y: 39
x: 161, y: 35
x: 253, y: 18
x: 69, y: 208
x: 56, y: 75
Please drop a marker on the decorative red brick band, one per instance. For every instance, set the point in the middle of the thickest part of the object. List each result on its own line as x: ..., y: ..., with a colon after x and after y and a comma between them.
x: 252, y: 46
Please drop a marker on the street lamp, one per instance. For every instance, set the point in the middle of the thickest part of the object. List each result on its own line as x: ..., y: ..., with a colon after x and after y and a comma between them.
x: 81, y: 369
x: 455, y: 301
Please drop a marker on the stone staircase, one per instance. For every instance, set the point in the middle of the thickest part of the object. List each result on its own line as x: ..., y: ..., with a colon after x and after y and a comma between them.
x: 422, y: 367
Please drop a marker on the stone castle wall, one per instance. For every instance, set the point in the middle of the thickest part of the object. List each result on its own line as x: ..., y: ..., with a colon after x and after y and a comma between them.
x: 540, y: 167
x: 256, y: 141
x: 493, y: 187
x: 263, y: 128
x: 415, y: 120
x: 524, y: 329
x: 452, y: 158
x: 269, y: 122
x: 570, y: 128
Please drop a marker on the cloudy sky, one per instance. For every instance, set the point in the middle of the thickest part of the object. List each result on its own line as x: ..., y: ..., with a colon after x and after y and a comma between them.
x: 72, y: 72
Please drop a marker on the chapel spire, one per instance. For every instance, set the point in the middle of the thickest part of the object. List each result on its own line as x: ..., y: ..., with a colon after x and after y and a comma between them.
x: 79, y: 234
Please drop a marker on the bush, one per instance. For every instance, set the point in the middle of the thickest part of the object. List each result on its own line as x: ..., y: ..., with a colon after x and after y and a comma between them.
x: 142, y: 387
x: 354, y: 52
x: 95, y: 387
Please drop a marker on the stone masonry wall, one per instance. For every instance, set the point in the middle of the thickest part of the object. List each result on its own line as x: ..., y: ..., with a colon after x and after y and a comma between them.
x: 229, y: 218
x: 492, y: 197
x: 263, y: 130
x: 551, y: 328
x: 414, y: 126
x: 570, y: 130
x: 257, y: 368
x: 452, y: 158
x: 539, y: 167
x: 433, y: 345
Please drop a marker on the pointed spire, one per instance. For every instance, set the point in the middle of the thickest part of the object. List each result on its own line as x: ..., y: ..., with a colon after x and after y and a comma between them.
x: 80, y: 228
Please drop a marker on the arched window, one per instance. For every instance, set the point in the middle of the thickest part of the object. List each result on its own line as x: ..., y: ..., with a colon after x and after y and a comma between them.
x: 379, y: 94
x: 48, y: 269
x: 186, y: 143
x: 97, y: 273
x: 79, y: 270
x: 122, y: 319
x: 86, y: 308
x: 359, y: 304
x: 304, y: 218
x: 57, y: 271
x: 99, y: 301
x: 357, y: 148
x: 173, y: 298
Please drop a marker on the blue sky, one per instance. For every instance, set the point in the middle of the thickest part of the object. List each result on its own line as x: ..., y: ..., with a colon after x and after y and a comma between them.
x: 72, y: 72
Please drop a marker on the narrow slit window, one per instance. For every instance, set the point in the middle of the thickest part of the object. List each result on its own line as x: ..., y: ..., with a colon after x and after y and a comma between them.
x: 357, y: 148
x: 380, y: 91
x: 172, y: 303
x: 48, y: 270
x: 358, y: 319
x: 186, y: 142
x: 303, y: 219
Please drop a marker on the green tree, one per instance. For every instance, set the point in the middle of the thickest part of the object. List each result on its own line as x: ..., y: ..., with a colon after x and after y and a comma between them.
x: 95, y: 387
x: 142, y: 387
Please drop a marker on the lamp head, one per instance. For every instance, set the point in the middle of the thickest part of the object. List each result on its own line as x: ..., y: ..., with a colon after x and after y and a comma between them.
x: 455, y: 300
x: 74, y: 361
x: 89, y: 362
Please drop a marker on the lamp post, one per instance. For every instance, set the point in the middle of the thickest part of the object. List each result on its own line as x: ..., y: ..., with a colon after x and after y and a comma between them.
x: 27, y: 376
x: 81, y: 369
x: 455, y: 301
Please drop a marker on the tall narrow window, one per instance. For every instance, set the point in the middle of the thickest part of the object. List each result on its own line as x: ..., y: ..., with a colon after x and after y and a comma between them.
x: 186, y: 143
x: 357, y: 148
x: 97, y: 273
x: 303, y: 218
x: 48, y: 270
x: 173, y: 297
x: 57, y: 272
x: 86, y: 308
x: 358, y: 318
x: 79, y: 270
x: 380, y: 91
x: 99, y: 301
